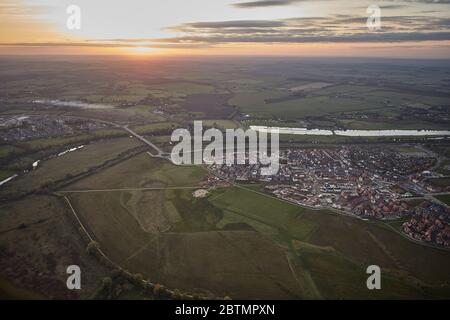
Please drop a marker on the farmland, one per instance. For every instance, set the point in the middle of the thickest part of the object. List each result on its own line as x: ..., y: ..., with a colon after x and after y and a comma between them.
x: 237, y: 240
x: 444, y: 198
x: 318, y: 238
x: 310, y: 240
x: 132, y: 234
x: 38, y: 267
x: 73, y: 163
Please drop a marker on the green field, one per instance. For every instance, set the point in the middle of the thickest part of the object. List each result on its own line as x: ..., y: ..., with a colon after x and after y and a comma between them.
x: 330, y: 252
x: 72, y: 163
x: 40, y: 229
x: 180, y: 89
x: 10, y: 291
x: 154, y: 127
x: 172, y: 238
x: 392, y: 125
x: 5, y: 174
x: 440, y: 182
x: 46, y: 143
x: 444, y: 198
x: 262, y: 212
x: 7, y: 150
x: 256, y: 103
x: 237, y: 241
x: 169, y: 236
x: 221, y: 124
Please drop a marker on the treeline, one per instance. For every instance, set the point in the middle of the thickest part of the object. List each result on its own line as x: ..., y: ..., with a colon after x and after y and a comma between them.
x: 51, y: 186
x: 113, y: 286
x: 121, y: 279
x: 26, y: 150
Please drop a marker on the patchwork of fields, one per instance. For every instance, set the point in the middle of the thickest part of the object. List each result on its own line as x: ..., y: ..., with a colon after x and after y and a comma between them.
x: 235, y: 242
x: 172, y: 238
x: 238, y: 242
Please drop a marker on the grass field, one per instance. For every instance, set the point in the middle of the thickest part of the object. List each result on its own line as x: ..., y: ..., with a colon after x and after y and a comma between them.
x: 263, y: 213
x: 181, y: 89
x: 72, y: 163
x: 225, y: 263
x: 332, y: 101
x: 6, y: 150
x: 440, y: 182
x: 354, y: 245
x: 5, y: 174
x: 141, y: 171
x: 257, y: 103
x: 444, y: 198
x: 10, y: 291
x: 45, y: 143
x: 154, y: 127
x: 145, y: 111
x: 271, y: 248
x: 172, y: 238
x: 236, y: 242
x: 169, y: 236
x: 444, y: 168
x: 221, y: 124
x: 38, y: 240
x: 392, y: 125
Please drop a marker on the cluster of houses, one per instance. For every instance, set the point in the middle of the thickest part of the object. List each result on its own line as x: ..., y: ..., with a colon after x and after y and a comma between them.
x: 371, y: 183
x: 430, y: 223
x: 23, y: 128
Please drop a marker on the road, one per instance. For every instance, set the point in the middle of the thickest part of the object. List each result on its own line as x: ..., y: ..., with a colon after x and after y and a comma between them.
x: 125, y: 189
x: 159, y: 151
x: 160, y: 154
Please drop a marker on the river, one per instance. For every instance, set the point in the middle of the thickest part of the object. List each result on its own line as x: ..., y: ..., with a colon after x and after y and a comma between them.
x: 352, y: 133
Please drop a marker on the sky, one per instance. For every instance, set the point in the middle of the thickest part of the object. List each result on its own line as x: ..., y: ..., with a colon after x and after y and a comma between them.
x: 408, y: 29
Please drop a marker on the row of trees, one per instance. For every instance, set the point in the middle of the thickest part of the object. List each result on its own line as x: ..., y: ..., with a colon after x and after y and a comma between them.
x: 156, y: 290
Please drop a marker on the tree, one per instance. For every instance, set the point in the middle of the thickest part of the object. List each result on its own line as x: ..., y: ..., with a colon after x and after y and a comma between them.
x: 116, y: 273
x: 46, y: 186
x: 158, y: 290
x: 107, y: 283
x: 176, y: 294
x: 92, y: 247
x: 138, y: 278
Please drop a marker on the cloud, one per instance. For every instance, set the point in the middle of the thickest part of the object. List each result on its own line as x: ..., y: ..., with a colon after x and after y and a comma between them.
x: 338, y: 28
x: 117, y: 44
x: 265, y: 3
x: 430, y: 1
x: 278, y: 3
x: 12, y: 9
x: 229, y: 24
x: 370, y: 37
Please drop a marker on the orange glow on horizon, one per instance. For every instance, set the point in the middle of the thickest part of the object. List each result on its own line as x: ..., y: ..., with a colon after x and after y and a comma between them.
x: 428, y: 49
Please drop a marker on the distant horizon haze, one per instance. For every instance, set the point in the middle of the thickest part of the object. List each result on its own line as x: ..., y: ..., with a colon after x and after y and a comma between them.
x: 332, y: 28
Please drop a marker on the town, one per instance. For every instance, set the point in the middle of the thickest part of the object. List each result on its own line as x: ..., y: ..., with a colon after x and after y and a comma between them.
x: 376, y: 182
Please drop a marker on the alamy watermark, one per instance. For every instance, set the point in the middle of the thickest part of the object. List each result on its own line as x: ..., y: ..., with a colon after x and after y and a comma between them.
x: 74, y: 19
x: 74, y: 280
x: 374, y: 280
x: 238, y: 147
x: 374, y: 18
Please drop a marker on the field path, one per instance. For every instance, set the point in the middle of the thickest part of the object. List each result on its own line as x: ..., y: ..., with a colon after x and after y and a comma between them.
x: 127, y: 189
x: 256, y: 266
x: 386, y: 250
x: 88, y: 234
x: 307, y: 284
x: 141, y: 249
x: 144, y: 140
